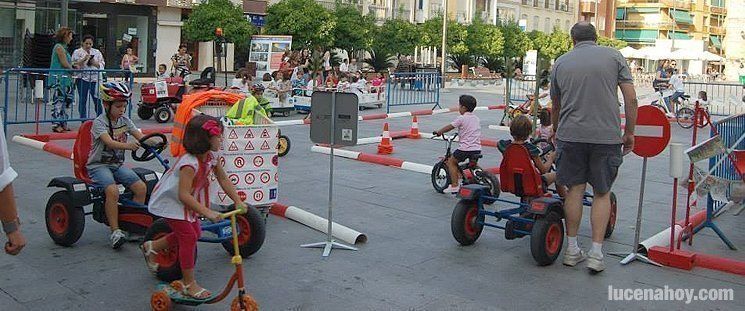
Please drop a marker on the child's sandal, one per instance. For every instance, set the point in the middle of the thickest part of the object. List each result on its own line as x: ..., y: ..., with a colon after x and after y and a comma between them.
x: 147, y: 250
x: 202, y: 294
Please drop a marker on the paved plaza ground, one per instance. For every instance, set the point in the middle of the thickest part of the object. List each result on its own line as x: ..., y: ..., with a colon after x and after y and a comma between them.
x: 410, y: 261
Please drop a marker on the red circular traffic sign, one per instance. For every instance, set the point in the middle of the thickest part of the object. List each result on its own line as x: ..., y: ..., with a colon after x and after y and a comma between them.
x: 652, y: 132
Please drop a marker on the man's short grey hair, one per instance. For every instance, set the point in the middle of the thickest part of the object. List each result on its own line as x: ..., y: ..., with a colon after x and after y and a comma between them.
x: 584, y: 31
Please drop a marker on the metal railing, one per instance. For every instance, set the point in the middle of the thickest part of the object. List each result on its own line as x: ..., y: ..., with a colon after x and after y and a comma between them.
x: 21, y: 107
x: 518, y: 88
x: 724, y: 99
x: 413, y: 88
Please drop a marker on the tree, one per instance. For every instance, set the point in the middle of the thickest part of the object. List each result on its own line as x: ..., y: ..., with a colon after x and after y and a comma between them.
x: 551, y: 46
x: 614, y: 43
x: 309, y: 23
x: 516, y: 42
x: 208, y: 16
x: 484, y: 40
x: 380, y: 61
x: 353, y: 31
x: 430, y: 32
x: 457, y: 45
x: 396, y: 37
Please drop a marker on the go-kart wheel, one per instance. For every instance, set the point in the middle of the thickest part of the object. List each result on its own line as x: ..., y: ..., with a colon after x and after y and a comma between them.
x: 160, y: 301
x: 286, y: 113
x: 684, y: 116
x: 65, y: 222
x: 149, y: 149
x: 440, y: 176
x: 283, y: 145
x: 466, y: 224
x: 547, y: 238
x: 613, y: 215
x: 251, y: 233
x: 488, y: 179
x: 145, y: 113
x: 249, y: 304
x: 167, y: 259
x: 163, y: 114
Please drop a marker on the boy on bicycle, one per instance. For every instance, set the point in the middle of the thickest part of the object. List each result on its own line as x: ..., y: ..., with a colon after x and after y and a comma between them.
x: 469, y: 131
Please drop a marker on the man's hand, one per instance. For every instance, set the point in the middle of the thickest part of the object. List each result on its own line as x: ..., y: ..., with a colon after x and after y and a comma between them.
x: 16, y: 242
x: 628, y: 143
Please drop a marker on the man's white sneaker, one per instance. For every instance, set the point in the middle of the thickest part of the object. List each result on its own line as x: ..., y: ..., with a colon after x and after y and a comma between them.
x: 595, y: 263
x: 451, y: 189
x: 572, y: 259
x: 117, y: 238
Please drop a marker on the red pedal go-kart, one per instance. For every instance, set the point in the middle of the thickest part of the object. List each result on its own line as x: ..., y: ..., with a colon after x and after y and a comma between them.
x: 161, y: 98
x: 65, y: 211
x: 539, y: 212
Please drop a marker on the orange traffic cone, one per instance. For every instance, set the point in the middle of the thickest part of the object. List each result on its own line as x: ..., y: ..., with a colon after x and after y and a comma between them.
x: 385, y: 146
x: 414, y: 129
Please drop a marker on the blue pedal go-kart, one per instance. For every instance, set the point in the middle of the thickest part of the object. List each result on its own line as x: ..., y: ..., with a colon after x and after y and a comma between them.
x: 65, y: 211
x: 539, y: 212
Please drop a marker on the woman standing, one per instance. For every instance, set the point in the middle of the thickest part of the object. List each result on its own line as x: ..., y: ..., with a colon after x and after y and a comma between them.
x: 88, y: 58
x: 128, y: 62
x: 60, y: 81
x: 181, y: 62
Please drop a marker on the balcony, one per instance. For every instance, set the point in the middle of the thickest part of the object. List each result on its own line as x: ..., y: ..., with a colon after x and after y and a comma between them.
x: 715, y: 30
x: 403, y: 14
x: 636, y: 24
x: 331, y: 4
x: 183, y: 4
x: 678, y: 4
x: 380, y: 12
x: 587, y: 7
x: 718, y: 10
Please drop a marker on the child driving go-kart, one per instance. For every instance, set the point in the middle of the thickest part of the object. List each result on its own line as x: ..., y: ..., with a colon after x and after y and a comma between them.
x: 110, y: 132
x: 469, y: 129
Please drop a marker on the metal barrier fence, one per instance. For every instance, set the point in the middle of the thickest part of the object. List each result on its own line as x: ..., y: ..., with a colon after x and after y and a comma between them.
x: 732, y: 132
x: 413, y: 88
x: 20, y: 107
x: 724, y: 99
x: 517, y: 90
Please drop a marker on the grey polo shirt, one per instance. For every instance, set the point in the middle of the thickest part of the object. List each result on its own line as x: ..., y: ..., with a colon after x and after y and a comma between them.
x: 585, y: 80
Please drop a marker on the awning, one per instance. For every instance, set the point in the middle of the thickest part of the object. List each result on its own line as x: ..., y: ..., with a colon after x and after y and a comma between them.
x: 629, y: 52
x: 621, y: 13
x: 716, y: 42
x: 681, y: 17
x: 642, y: 10
x: 680, y: 36
x: 636, y: 35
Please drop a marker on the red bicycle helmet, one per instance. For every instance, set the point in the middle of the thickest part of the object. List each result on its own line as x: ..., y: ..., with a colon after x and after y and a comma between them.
x: 114, y: 91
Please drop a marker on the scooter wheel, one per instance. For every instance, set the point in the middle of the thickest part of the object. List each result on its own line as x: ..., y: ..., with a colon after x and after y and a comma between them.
x: 248, y: 302
x: 283, y: 145
x: 160, y: 301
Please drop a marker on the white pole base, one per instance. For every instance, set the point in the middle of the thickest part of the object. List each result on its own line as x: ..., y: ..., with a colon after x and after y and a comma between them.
x: 328, y: 246
x: 635, y: 256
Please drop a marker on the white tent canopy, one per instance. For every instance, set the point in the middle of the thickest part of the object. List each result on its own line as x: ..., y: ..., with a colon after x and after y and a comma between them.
x: 684, y: 54
x: 629, y: 52
x: 653, y: 53
x: 711, y: 57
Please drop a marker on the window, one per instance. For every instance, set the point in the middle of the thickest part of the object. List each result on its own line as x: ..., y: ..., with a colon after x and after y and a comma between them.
x: 545, y: 4
x: 535, y: 3
x: 547, y: 25
x: 421, y: 4
x: 535, y: 22
x: 566, y: 25
x: 557, y: 24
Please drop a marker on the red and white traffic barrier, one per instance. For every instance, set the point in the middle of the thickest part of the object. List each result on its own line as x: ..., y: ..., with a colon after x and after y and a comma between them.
x: 341, y: 232
x: 382, y: 116
x: 45, y: 146
x: 385, y: 160
x: 45, y: 137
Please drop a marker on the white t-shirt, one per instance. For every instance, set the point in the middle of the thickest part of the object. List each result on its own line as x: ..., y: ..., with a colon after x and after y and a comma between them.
x: 7, y: 174
x: 677, y: 83
x: 343, y: 67
x: 79, y: 54
x: 164, y: 201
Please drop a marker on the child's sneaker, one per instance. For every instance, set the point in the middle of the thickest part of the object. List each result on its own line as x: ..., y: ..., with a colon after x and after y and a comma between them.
x: 117, y: 238
x: 595, y: 263
x: 572, y: 259
x: 451, y: 189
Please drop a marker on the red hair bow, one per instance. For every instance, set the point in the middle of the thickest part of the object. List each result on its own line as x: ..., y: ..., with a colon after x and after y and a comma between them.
x: 212, y: 127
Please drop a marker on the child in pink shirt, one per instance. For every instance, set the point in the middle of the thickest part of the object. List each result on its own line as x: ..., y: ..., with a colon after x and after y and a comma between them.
x: 469, y: 144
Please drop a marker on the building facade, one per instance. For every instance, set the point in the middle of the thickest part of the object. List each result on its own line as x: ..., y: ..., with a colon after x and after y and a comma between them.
x: 643, y: 22
x: 601, y: 13
x: 734, y: 40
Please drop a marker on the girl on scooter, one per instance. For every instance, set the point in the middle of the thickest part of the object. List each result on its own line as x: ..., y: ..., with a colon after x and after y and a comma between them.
x: 182, y: 195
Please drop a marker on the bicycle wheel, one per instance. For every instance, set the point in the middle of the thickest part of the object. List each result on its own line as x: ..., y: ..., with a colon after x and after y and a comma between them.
x: 684, y: 117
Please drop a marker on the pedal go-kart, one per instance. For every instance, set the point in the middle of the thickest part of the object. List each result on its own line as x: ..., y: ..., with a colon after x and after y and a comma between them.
x: 65, y: 211
x: 539, y: 212
x: 441, y: 175
x: 301, y: 99
x: 161, y: 98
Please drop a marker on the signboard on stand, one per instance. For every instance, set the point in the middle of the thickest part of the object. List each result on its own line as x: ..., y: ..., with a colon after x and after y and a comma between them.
x: 267, y: 52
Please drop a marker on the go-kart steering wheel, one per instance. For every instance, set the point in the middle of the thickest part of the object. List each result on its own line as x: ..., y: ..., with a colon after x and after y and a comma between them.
x: 150, y: 149
x: 544, y: 145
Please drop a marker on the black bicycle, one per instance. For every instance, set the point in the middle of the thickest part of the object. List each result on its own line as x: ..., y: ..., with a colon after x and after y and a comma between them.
x: 470, y: 171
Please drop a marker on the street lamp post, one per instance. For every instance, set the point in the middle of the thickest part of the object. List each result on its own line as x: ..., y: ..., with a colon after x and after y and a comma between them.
x: 444, y: 37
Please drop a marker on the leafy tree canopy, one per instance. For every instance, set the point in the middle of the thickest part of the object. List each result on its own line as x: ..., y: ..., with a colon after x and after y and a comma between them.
x: 309, y: 23
x: 213, y: 14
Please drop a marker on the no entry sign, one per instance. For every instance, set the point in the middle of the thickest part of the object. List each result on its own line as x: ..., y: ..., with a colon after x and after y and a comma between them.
x: 652, y: 132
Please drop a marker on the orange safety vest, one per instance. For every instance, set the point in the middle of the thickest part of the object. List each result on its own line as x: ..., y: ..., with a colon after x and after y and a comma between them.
x: 184, y: 114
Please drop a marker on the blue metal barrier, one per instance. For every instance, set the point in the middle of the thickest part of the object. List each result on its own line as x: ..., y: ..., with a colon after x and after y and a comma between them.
x: 731, y: 130
x: 519, y: 89
x: 20, y: 107
x: 413, y: 88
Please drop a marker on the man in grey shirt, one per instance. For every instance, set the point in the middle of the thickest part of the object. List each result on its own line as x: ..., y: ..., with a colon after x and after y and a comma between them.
x: 586, y: 122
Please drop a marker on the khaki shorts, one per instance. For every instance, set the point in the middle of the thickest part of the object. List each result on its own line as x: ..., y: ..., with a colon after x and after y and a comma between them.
x: 596, y: 164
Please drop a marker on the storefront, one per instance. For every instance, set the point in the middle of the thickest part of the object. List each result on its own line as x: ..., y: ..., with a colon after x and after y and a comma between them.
x: 117, y: 27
